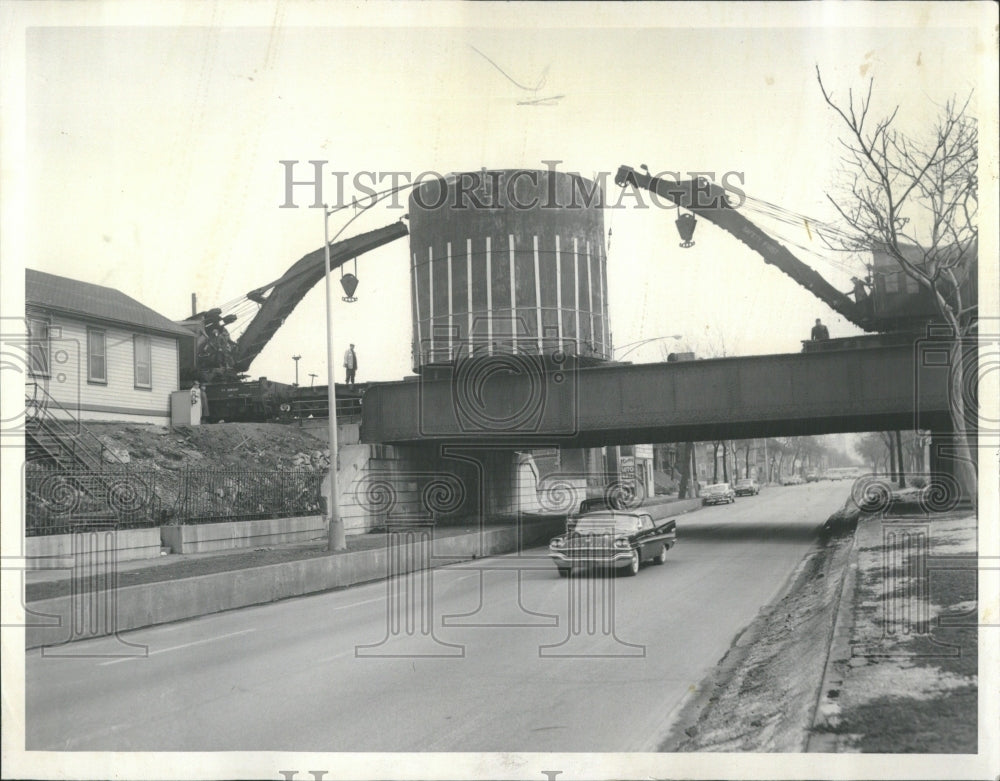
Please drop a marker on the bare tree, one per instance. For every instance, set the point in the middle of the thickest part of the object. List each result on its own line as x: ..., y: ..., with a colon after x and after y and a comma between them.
x: 685, y: 458
x: 899, y: 459
x: 916, y: 200
x: 871, y: 447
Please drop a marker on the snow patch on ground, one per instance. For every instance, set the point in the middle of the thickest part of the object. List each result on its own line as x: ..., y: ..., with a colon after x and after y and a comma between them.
x: 875, y: 681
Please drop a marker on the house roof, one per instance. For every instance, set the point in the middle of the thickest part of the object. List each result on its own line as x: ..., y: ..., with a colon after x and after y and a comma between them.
x: 70, y: 296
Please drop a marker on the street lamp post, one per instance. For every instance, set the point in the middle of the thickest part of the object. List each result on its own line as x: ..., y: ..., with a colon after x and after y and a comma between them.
x: 335, y: 537
x: 312, y: 378
x: 296, y: 359
x: 635, y: 345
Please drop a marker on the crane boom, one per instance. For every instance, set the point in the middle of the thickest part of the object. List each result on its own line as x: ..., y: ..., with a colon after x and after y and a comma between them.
x: 217, y: 357
x: 291, y: 288
x: 708, y: 200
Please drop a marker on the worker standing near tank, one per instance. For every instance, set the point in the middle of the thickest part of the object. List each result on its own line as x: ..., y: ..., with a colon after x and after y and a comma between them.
x: 350, y: 364
x: 819, y: 332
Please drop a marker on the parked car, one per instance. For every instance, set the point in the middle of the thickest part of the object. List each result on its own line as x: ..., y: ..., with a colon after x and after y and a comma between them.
x: 792, y: 480
x: 613, y: 539
x: 747, y: 487
x: 812, y: 477
x: 718, y: 493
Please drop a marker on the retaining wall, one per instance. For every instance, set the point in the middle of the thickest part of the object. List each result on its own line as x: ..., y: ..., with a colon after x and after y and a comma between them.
x: 208, y: 537
x: 53, y: 551
x: 162, y: 602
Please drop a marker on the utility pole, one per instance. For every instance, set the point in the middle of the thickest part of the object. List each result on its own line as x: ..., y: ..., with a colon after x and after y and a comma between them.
x: 312, y: 378
x: 296, y: 359
x: 336, y: 539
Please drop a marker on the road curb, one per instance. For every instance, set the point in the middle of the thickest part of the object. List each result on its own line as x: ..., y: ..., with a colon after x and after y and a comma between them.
x: 826, y: 714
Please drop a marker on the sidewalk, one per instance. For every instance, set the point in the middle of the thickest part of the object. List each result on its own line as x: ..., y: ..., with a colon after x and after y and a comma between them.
x: 902, y: 671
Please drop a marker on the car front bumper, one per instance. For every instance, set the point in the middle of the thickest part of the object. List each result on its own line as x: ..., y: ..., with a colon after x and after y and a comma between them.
x: 714, y: 499
x: 568, y: 558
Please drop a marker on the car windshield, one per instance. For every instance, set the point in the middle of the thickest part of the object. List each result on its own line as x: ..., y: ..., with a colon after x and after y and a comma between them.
x: 718, y: 488
x: 607, y: 524
x: 745, y: 482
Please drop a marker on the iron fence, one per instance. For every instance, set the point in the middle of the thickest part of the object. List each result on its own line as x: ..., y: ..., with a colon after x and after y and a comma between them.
x: 60, y: 501
x: 237, y: 495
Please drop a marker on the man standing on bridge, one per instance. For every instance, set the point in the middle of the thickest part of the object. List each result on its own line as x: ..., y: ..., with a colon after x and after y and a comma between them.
x: 819, y: 332
x: 351, y: 364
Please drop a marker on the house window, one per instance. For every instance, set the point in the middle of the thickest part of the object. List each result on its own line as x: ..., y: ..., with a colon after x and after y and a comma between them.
x: 142, y: 361
x: 892, y: 282
x: 97, y: 356
x: 38, y: 347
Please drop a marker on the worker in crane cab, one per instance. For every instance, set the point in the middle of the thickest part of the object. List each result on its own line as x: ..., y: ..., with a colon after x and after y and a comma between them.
x: 819, y: 332
x: 861, y: 295
x: 350, y: 364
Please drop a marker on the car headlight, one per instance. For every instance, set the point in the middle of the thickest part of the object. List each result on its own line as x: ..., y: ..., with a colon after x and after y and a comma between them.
x: 558, y: 542
x: 621, y: 542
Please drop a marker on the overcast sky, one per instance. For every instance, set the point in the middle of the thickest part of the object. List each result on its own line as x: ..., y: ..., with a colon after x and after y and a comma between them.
x: 152, y: 149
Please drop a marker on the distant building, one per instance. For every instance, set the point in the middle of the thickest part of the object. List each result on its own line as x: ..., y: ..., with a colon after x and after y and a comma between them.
x: 97, y: 354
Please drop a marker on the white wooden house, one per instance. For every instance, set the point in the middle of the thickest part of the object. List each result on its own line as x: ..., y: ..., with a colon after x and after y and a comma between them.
x: 97, y: 354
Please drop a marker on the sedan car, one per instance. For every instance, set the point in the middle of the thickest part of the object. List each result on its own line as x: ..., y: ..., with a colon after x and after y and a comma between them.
x: 613, y: 539
x: 747, y: 488
x: 718, y: 493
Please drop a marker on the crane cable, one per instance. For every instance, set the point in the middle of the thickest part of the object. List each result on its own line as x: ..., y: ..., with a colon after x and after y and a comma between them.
x: 243, y: 307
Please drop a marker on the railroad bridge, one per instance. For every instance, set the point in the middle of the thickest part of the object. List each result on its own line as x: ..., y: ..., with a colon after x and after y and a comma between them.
x: 521, y: 400
x: 483, y: 411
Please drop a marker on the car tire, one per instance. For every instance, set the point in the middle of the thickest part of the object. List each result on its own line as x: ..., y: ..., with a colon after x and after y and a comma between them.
x: 564, y: 571
x: 633, y: 566
x: 661, y: 557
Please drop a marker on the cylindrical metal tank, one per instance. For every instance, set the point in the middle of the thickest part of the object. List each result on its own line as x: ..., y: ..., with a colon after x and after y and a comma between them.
x: 508, y: 262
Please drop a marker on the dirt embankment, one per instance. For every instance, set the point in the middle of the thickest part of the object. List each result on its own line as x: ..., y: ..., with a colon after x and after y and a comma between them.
x: 218, y: 460
x: 763, y: 693
x: 214, y: 446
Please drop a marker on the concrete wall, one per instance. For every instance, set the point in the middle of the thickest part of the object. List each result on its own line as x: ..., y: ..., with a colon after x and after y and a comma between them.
x: 354, y: 466
x: 207, y: 537
x: 157, y: 603
x: 55, y: 550
x: 527, y: 484
x: 348, y: 431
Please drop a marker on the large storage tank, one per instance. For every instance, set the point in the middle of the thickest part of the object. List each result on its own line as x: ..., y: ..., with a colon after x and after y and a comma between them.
x: 508, y: 261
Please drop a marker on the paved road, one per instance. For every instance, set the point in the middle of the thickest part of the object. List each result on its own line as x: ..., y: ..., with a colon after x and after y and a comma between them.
x: 526, y: 661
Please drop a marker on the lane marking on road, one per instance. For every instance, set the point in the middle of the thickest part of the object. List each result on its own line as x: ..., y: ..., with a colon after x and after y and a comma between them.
x: 356, y: 604
x: 177, y: 647
x: 341, y: 655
